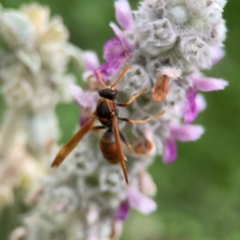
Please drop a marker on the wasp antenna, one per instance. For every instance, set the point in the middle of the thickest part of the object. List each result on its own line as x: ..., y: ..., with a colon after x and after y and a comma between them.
x: 100, y: 78
x: 120, y: 76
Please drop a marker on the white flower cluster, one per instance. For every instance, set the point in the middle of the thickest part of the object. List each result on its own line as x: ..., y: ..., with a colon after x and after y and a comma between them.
x: 167, y: 44
x: 33, y: 61
x: 79, y: 198
x: 34, y: 56
x: 172, y: 41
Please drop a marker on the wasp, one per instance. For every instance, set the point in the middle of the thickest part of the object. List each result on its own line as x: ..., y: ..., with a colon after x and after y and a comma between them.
x: 107, y: 113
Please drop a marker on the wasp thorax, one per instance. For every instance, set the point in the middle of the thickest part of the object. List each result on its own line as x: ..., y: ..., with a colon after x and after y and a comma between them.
x: 108, y: 93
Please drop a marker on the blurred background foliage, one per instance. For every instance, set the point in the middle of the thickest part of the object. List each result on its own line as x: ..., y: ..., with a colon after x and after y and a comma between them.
x: 199, y: 195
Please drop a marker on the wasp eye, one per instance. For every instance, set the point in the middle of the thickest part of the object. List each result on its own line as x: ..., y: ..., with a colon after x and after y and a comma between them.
x: 114, y: 93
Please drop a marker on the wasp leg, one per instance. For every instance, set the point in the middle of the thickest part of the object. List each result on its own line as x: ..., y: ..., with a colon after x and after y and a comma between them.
x: 120, y: 151
x: 141, y: 121
x: 97, y: 128
x: 126, y: 142
x: 120, y: 76
x: 131, y: 99
x: 100, y: 79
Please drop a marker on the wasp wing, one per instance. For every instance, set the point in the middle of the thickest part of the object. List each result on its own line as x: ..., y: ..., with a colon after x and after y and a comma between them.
x: 71, y: 144
x: 121, y: 155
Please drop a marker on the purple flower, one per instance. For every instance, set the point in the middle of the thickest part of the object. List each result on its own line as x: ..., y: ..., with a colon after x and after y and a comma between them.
x: 90, y: 61
x: 123, y: 211
x: 126, y: 45
x: 206, y: 84
x: 114, y: 55
x: 86, y: 99
x: 108, y: 68
x: 123, y: 14
x: 113, y: 49
x: 84, y: 116
x: 140, y: 202
x: 187, y: 132
x: 116, y: 51
x: 195, y: 103
x: 170, y: 151
x: 182, y: 133
x: 135, y: 200
x: 200, y: 103
x: 92, y: 236
x: 203, y: 84
x: 146, y: 183
x: 218, y: 54
x: 190, y: 111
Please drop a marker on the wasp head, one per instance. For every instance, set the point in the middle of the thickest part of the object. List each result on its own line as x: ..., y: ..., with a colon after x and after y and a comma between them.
x: 108, y: 93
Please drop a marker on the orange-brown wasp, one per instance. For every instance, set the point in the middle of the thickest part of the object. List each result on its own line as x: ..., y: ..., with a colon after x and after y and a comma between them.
x: 107, y: 113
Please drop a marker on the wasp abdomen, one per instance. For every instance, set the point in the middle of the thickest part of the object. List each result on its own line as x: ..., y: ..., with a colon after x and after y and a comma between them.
x: 108, y: 147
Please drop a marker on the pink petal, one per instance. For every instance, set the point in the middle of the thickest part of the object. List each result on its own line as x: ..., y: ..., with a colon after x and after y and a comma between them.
x: 84, y: 116
x: 170, y: 151
x: 186, y: 133
x: 200, y: 103
x: 123, y: 14
x: 75, y: 90
x: 116, y: 229
x: 208, y: 84
x: 190, y: 111
x: 90, y: 60
x: 92, y: 236
x: 218, y: 53
x: 140, y: 202
x: 113, y: 49
x: 86, y: 99
x: 109, y: 68
x: 122, y: 212
x: 146, y: 184
x: 121, y: 38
